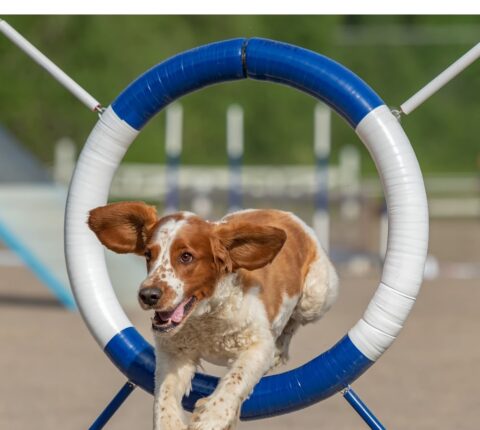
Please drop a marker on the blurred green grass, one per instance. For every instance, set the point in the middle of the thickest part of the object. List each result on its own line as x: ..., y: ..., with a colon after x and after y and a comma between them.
x: 105, y: 53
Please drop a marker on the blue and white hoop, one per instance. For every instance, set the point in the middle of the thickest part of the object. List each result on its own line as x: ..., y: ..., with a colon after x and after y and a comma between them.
x: 379, y: 130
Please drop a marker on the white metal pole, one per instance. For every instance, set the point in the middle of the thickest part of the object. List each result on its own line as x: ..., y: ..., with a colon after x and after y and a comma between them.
x: 321, y: 146
x: 235, y: 153
x: 443, y: 78
x: 58, y: 74
x: 173, y: 130
x: 322, y: 131
x: 235, y: 131
x: 173, y: 150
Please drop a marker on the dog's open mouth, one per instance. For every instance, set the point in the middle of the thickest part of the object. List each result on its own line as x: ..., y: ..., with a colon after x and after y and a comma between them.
x: 165, y: 321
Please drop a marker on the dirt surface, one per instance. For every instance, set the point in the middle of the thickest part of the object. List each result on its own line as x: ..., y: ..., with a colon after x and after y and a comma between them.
x: 55, y: 376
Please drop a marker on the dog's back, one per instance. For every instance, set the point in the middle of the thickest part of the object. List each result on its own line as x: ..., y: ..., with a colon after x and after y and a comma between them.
x: 300, y: 284
x: 300, y: 270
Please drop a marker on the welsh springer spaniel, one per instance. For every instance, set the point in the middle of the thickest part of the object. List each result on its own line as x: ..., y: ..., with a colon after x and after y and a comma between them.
x: 232, y: 292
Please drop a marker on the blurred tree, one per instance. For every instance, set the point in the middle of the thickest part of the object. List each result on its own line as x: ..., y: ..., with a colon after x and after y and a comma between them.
x: 105, y: 53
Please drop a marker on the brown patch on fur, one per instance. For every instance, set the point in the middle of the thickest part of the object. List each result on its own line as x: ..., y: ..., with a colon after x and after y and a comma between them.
x: 221, y: 249
x: 123, y: 227
x: 154, y: 253
x: 201, y: 275
x: 250, y: 246
x: 286, y: 274
x: 176, y: 217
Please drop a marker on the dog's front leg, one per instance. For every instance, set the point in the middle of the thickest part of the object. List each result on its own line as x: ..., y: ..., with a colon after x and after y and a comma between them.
x: 221, y: 409
x: 173, y: 376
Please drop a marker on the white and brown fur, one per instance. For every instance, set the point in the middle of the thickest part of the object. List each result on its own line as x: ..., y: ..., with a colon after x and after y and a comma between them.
x: 253, y: 278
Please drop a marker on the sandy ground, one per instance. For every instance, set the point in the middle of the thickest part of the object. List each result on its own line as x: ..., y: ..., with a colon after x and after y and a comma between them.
x: 55, y: 376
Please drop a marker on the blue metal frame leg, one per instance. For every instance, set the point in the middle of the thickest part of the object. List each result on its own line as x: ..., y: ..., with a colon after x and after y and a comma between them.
x: 362, y: 409
x: 113, y: 406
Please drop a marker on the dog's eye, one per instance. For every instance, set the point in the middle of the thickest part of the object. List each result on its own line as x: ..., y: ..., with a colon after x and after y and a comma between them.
x: 186, y: 258
x: 148, y: 255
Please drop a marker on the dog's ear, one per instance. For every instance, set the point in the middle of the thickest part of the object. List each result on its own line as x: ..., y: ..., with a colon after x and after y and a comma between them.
x: 247, y: 245
x: 123, y: 227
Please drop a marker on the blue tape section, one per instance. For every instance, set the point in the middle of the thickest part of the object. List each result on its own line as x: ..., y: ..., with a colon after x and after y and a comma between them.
x: 179, y: 75
x: 316, y: 380
x: 314, y: 74
x: 134, y: 357
x: 262, y: 59
x: 46, y: 276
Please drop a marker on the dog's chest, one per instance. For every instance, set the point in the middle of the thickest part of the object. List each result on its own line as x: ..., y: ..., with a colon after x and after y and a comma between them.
x: 220, y: 334
x: 214, y: 340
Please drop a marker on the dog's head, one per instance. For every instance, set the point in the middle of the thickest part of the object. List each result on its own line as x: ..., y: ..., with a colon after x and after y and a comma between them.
x: 186, y: 256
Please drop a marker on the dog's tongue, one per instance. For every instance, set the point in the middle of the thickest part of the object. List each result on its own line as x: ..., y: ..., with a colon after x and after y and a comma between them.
x: 176, y: 315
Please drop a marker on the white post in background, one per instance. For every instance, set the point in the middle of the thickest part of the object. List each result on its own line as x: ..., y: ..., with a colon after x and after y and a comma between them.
x: 349, y: 170
x: 235, y: 154
x: 64, y: 160
x: 173, y: 150
x: 322, y: 146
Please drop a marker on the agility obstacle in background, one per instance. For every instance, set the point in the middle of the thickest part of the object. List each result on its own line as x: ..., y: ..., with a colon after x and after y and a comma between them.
x: 375, y: 125
x: 173, y: 150
x: 378, y: 129
x: 321, y: 149
x: 201, y: 204
x: 235, y: 143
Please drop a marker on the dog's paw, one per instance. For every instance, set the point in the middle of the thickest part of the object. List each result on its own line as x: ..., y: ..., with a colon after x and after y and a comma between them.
x: 214, y: 413
x: 168, y: 421
x: 279, y: 359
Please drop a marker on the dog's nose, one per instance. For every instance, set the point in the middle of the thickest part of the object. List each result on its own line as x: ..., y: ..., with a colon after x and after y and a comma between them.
x: 150, y: 296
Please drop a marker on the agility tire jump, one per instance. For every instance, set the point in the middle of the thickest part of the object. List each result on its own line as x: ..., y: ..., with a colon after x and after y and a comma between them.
x: 373, y: 122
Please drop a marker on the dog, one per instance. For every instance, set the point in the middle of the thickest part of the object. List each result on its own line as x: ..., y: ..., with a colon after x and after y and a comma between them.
x: 231, y: 292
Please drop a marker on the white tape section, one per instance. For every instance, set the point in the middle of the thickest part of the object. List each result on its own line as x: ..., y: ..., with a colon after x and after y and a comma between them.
x: 407, y: 233
x: 91, y: 285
